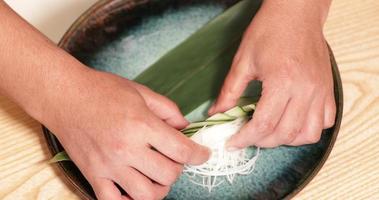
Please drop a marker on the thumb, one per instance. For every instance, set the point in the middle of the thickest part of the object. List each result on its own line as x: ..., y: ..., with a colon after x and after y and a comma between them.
x: 234, y: 85
x: 162, y: 107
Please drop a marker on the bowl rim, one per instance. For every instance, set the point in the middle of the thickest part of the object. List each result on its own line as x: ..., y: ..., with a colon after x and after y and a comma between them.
x: 83, y: 18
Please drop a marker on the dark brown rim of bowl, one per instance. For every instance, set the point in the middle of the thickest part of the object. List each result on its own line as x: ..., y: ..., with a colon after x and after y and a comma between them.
x: 337, y: 125
x: 338, y: 98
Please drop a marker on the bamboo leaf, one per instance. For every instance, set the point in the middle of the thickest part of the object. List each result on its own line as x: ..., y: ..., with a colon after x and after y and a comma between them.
x: 59, y: 157
x: 193, y: 72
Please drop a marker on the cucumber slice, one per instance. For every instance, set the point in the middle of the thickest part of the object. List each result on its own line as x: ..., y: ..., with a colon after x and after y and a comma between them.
x: 191, y: 131
x: 249, y: 108
x: 190, y: 134
x: 220, y: 117
x: 186, y: 130
x: 236, y: 112
x: 198, y: 125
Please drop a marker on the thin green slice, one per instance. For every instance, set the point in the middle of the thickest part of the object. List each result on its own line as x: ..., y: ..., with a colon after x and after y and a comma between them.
x: 236, y: 112
x: 59, y: 157
x: 249, y: 108
x: 204, y: 123
x: 220, y: 117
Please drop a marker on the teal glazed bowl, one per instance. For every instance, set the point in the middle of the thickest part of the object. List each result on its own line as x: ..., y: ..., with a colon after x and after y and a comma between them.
x: 127, y: 36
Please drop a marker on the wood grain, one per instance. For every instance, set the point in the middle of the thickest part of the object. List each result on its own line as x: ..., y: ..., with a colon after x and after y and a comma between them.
x: 351, y: 172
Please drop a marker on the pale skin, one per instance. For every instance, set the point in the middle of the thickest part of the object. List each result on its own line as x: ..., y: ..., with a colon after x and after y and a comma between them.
x: 112, y: 139
x: 284, y: 47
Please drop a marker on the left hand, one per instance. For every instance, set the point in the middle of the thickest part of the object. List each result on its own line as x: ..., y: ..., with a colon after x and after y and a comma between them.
x: 289, y: 54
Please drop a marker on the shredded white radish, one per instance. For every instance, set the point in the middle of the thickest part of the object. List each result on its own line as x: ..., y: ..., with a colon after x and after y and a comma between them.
x: 222, y: 164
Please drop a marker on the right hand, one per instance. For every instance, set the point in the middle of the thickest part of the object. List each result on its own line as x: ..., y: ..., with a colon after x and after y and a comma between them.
x: 117, y: 131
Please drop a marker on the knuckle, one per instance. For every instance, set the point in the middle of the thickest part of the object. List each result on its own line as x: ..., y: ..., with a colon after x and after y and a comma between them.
x: 313, y: 138
x: 288, y: 137
x: 138, y: 120
x: 170, y: 104
x: 171, y: 174
x: 305, y: 87
x: 309, y: 86
x: 174, y: 106
x: 101, y: 194
x: 293, y: 60
x: 239, y: 68
x: 285, y: 85
x: 163, y: 192
x: 184, y: 152
x: 330, y: 116
x: 141, y: 87
x: 148, y: 194
x: 118, y: 148
x: 237, y: 58
x: 329, y: 123
x: 130, y: 154
x: 289, y: 133
x: 145, y: 126
x: 226, y: 91
x: 265, y: 126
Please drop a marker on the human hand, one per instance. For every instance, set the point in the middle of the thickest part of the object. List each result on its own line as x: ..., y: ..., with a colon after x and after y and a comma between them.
x: 115, y: 131
x: 284, y: 47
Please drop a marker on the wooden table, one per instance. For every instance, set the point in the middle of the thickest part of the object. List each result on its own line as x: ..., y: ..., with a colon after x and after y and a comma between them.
x: 351, y: 172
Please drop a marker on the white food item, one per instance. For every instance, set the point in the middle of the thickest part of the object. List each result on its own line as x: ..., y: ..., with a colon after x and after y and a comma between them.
x: 222, y: 163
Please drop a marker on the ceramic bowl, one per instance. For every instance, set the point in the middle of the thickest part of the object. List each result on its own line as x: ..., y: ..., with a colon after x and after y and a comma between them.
x: 126, y: 36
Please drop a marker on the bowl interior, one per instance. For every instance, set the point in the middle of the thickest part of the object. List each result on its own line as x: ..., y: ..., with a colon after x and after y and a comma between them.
x: 126, y: 37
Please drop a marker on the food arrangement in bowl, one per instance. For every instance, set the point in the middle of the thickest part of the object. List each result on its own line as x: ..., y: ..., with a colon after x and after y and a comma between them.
x: 184, y: 50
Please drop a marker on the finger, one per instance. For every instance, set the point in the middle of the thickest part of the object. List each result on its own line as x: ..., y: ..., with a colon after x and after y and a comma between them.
x: 105, y: 189
x: 330, y: 111
x: 151, y: 161
x: 234, y: 85
x: 270, y: 109
x: 139, y: 187
x: 290, y: 124
x: 312, y: 129
x: 163, y: 107
x: 177, y: 146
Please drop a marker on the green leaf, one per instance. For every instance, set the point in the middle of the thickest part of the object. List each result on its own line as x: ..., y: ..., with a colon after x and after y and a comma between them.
x: 235, y: 112
x: 219, y: 117
x: 59, y: 157
x: 194, y: 71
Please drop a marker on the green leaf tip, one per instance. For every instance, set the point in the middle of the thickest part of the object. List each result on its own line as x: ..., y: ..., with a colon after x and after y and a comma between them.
x: 59, y: 157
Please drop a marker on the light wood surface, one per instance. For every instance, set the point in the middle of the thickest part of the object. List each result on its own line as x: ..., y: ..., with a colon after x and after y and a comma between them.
x: 351, y: 172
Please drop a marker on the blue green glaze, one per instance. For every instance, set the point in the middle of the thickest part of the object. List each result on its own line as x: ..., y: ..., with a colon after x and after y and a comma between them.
x: 142, y: 45
x: 278, y: 171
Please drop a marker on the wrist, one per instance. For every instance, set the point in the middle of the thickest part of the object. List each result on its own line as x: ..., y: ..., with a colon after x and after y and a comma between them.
x: 32, y: 68
x: 60, y: 86
x: 312, y: 11
x: 50, y: 85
